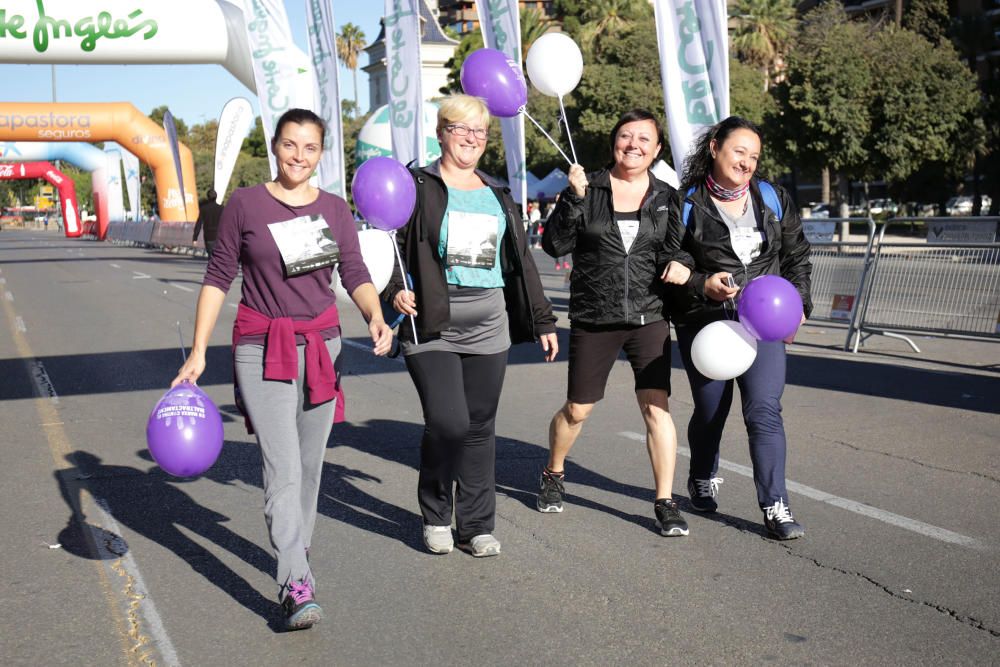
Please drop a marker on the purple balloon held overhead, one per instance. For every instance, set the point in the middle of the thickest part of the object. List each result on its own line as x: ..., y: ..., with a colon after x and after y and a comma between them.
x: 184, y: 431
x: 490, y: 75
x: 770, y: 308
x: 384, y: 193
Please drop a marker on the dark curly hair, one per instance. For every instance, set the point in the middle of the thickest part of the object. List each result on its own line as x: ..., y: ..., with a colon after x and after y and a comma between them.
x: 630, y: 117
x: 300, y: 117
x: 700, y: 161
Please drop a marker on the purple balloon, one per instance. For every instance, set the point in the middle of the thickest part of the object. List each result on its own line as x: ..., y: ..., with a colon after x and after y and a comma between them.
x: 770, y: 308
x: 384, y: 193
x: 184, y: 431
x: 490, y: 75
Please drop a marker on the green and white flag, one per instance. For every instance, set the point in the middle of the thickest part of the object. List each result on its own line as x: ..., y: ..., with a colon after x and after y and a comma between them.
x: 326, y: 90
x: 694, y: 67
x: 406, y: 100
x: 501, y: 26
x: 281, y: 69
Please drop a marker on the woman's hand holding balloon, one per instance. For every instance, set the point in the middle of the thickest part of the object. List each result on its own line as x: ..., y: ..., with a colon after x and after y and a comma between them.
x: 676, y: 274
x: 717, y: 289
x: 578, y: 180
x: 405, y: 302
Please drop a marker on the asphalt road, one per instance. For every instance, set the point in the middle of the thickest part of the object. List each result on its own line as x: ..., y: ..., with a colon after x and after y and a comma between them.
x: 109, y: 561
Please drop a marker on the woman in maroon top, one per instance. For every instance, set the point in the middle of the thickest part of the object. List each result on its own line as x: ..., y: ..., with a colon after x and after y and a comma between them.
x: 287, y: 236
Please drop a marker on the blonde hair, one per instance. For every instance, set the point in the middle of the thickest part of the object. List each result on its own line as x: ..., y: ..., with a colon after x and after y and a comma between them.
x: 455, y: 108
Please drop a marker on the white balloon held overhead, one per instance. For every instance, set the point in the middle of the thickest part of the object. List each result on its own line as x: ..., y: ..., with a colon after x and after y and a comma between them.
x: 554, y: 64
x: 723, y: 350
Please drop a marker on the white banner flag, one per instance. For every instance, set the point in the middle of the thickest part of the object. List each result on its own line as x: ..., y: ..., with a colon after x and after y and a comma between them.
x: 694, y: 67
x: 501, y: 26
x: 406, y: 100
x: 116, y: 202
x: 234, y: 124
x: 131, y: 163
x: 326, y: 87
x: 281, y: 70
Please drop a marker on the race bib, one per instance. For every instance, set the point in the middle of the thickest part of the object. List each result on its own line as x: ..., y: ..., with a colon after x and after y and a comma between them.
x: 305, y: 243
x: 746, y: 243
x: 472, y: 239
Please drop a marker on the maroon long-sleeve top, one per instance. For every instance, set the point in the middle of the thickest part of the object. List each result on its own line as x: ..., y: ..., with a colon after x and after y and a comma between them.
x: 244, y: 240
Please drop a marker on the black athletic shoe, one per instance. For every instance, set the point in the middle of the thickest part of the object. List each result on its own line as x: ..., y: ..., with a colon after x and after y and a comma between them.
x: 780, y: 524
x: 551, y: 494
x: 703, y: 493
x: 300, y: 608
x: 668, y: 518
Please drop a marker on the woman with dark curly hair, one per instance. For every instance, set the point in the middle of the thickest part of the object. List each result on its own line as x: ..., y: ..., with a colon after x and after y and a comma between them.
x: 736, y: 227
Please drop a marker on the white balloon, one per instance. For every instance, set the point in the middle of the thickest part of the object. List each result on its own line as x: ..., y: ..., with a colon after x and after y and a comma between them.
x: 554, y: 64
x: 723, y: 350
x: 376, y: 250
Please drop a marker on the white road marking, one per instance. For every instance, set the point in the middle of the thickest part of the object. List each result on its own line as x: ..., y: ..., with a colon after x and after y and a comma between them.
x: 139, y: 275
x: 9, y: 296
x: 885, y: 516
x: 115, y: 266
x: 181, y: 287
x: 19, y: 324
x: 3, y: 281
x: 146, y: 606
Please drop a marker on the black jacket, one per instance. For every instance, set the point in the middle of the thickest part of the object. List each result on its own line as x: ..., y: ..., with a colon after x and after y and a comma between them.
x: 706, y: 238
x: 529, y: 313
x: 209, y: 213
x: 609, y: 287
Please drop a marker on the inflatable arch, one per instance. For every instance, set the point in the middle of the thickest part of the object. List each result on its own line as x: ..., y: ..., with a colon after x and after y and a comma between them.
x: 85, y: 156
x: 118, y: 33
x: 64, y: 184
x: 113, y: 121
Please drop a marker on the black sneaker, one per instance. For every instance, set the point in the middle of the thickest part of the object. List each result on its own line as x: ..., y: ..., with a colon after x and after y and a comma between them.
x: 703, y: 493
x: 300, y: 608
x: 551, y: 494
x: 668, y: 518
x: 780, y: 524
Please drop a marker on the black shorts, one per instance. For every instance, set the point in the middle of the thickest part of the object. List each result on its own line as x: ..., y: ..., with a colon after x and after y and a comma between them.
x: 593, y: 351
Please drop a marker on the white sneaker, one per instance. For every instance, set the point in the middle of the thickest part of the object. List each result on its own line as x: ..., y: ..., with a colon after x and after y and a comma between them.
x: 481, y: 546
x: 438, y: 539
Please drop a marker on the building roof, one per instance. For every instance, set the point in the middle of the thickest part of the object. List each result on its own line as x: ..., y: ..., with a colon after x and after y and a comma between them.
x: 432, y: 33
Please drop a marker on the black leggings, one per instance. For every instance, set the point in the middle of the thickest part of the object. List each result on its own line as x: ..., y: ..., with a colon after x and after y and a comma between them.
x: 459, y: 394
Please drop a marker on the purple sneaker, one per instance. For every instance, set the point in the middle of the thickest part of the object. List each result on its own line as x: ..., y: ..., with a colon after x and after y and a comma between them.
x: 300, y: 608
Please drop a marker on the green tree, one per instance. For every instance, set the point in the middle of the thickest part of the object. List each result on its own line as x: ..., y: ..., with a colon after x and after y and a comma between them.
x: 603, y: 21
x: 256, y: 143
x: 764, y: 32
x: 824, y: 109
x: 350, y: 43
x: 748, y: 99
x: 928, y: 18
x: 924, y: 107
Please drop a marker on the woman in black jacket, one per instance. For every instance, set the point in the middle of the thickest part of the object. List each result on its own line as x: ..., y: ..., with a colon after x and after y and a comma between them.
x: 727, y: 225
x: 475, y: 292
x: 614, y: 222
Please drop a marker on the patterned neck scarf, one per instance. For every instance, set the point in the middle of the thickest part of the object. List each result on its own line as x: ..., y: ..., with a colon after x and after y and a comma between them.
x: 725, y: 194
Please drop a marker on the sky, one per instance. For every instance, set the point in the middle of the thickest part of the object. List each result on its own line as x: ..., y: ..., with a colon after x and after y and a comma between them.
x: 194, y: 93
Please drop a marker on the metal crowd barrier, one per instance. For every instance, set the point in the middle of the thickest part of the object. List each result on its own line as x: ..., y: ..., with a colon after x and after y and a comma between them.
x: 936, y: 289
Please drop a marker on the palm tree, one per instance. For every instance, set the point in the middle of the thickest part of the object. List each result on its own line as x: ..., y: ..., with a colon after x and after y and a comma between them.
x: 764, y: 32
x: 602, y: 19
x: 350, y: 43
x: 533, y: 25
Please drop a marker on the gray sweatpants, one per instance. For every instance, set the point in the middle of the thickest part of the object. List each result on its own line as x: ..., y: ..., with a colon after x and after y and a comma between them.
x: 292, y: 435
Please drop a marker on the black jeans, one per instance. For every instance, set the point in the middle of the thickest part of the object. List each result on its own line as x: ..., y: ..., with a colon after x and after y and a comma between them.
x: 459, y: 394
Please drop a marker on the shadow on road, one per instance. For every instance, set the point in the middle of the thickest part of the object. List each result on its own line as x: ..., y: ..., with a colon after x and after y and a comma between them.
x: 152, y: 506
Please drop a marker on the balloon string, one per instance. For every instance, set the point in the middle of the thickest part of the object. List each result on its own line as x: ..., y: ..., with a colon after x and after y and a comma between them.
x: 402, y: 270
x: 181, y: 336
x: 542, y: 130
x: 562, y: 111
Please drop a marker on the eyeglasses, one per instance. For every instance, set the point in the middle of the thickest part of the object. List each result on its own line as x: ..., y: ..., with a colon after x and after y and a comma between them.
x: 460, y: 130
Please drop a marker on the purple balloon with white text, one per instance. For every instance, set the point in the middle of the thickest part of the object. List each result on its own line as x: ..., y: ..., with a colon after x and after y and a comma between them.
x: 770, y: 308
x: 384, y: 193
x: 489, y: 74
x: 184, y: 431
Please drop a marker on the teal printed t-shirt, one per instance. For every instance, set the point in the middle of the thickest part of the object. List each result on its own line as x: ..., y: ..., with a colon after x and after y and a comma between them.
x: 471, y: 233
